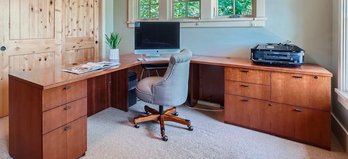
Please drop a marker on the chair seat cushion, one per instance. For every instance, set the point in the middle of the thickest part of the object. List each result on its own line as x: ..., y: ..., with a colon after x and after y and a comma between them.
x: 144, y: 88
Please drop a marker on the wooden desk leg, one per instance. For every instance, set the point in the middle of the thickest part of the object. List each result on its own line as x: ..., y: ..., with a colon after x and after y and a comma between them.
x: 193, y: 85
x: 119, y: 90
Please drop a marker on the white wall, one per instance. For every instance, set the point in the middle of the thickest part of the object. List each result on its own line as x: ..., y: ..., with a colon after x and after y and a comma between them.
x: 305, y: 22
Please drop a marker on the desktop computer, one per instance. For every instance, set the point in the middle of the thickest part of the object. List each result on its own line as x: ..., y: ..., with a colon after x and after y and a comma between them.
x: 154, y: 39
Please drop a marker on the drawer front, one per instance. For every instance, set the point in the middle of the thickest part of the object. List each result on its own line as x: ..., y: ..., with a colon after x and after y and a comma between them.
x: 76, y: 91
x: 301, y: 90
x: 54, y: 97
x: 77, y: 138
x: 58, y: 117
x: 64, y: 94
x: 53, y: 119
x: 76, y: 109
x: 237, y: 110
x: 248, y: 90
x: 66, y: 142
x: 55, y: 145
x: 248, y: 76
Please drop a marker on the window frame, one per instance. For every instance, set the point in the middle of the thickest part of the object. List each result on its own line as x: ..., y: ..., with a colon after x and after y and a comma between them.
x: 207, y: 18
x: 342, y: 90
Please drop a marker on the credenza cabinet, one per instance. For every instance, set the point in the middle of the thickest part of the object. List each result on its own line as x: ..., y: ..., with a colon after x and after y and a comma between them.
x: 48, y: 123
x: 291, y: 105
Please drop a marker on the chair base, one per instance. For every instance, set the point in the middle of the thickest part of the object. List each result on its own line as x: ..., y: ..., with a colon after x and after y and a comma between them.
x: 162, y: 116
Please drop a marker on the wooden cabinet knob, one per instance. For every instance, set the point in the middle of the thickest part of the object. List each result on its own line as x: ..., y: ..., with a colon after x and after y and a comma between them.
x: 67, y: 128
x: 67, y: 107
x: 67, y: 87
x: 243, y: 85
x: 297, y: 77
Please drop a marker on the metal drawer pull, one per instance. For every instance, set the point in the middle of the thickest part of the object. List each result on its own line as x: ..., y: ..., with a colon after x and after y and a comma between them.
x: 67, y: 87
x: 244, y: 71
x: 67, y: 128
x: 243, y: 85
x: 297, y: 76
x: 67, y: 108
x: 244, y: 100
x: 298, y: 110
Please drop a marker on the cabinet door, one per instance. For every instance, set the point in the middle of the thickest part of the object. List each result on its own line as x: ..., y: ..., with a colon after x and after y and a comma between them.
x: 282, y: 122
x: 54, y: 144
x: 237, y: 110
x: 312, y: 127
x: 301, y: 90
x: 261, y: 115
x: 77, y: 138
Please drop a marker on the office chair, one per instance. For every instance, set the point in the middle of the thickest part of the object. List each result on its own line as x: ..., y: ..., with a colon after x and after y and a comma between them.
x: 169, y: 90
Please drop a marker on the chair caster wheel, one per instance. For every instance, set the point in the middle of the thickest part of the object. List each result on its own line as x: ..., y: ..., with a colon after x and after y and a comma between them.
x: 190, y: 128
x: 165, y: 138
x: 136, y: 126
x: 176, y: 114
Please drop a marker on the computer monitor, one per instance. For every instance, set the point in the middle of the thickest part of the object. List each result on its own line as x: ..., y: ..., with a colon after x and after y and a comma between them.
x: 156, y: 38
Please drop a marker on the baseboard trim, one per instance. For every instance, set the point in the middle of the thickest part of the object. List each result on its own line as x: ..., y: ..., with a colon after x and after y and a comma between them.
x: 340, y: 132
x: 206, y: 103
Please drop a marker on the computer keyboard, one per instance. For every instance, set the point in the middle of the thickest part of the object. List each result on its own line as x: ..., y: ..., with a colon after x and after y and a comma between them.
x: 156, y: 58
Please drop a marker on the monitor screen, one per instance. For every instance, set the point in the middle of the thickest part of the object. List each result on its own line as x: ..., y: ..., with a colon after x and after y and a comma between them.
x: 157, y: 35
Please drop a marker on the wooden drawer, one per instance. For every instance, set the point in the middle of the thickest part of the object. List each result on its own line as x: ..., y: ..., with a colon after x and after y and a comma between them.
x: 66, y: 142
x: 248, y: 90
x: 59, y: 116
x: 301, y: 90
x: 64, y: 94
x: 248, y: 75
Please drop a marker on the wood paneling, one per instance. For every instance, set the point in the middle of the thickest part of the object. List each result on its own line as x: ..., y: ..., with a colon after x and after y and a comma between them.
x: 302, y: 90
x: 25, y: 130
x: 248, y: 75
x: 119, y: 90
x: 210, y: 86
x: 79, y: 56
x: 98, y: 94
x: 45, y: 33
x: 248, y: 90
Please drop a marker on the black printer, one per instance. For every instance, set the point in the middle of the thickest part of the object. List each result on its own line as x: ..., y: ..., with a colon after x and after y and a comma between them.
x: 278, y: 54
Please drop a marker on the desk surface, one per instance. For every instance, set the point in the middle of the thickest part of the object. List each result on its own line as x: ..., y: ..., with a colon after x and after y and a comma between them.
x: 54, y: 76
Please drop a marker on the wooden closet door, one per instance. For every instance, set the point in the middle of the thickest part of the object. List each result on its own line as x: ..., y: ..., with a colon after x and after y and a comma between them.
x: 28, y: 34
x: 42, y: 35
x: 81, y: 31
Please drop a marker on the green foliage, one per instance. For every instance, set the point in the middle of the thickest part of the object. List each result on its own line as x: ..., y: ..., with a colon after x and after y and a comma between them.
x: 148, y: 9
x: 113, y: 41
x: 226, y: 7
x: 187, y: 8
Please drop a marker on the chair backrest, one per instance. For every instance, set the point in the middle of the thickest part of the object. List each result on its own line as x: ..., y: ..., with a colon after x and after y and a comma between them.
x: 172, y: 90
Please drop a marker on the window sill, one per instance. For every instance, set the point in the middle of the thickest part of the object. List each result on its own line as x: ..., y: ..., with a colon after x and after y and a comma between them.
x: 342, y: 97
x: 233, y: 22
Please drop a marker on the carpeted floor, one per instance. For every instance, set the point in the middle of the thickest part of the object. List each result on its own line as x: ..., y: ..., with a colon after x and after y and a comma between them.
x: 112, y: 136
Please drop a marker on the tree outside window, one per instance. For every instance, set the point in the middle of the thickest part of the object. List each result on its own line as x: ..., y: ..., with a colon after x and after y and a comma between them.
x: 235, y: 7
x: 148, y: 9
x: 186, y: 9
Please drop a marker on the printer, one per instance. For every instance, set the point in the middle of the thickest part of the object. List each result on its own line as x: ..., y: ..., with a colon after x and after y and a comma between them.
x: 278, y: 54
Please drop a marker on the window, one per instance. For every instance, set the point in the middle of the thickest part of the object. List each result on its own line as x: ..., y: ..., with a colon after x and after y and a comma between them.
x: 199, y: 13
x: 186, y: 8
x: 235, y: 8
x: 148, y: 9
x: 342, y: 49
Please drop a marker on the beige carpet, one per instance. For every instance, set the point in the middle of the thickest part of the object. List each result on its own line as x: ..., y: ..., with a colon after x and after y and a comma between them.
x: 112, y: 136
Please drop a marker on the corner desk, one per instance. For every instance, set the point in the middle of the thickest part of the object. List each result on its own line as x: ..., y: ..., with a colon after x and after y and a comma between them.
x: 48, y: 111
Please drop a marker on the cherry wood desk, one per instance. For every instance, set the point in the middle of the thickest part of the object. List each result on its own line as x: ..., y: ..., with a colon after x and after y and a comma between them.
x: 48, y: 110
